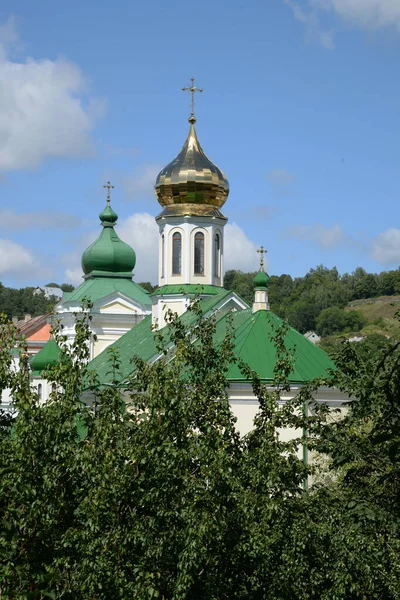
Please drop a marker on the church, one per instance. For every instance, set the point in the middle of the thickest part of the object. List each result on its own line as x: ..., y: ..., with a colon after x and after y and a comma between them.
x: 192, y: 192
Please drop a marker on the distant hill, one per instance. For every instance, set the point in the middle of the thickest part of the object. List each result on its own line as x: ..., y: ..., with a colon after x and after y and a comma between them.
x: 380, y: 313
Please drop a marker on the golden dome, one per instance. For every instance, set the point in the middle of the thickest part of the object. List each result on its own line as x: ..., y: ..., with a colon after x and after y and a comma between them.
x: 191, y: 184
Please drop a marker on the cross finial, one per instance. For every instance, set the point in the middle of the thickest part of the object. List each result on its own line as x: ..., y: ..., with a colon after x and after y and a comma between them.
x: 262, y: 251
x: 192, y: 89
x: 109, y: 187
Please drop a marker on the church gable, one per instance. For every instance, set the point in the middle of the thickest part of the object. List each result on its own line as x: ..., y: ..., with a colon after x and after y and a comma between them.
x: 118, y: 303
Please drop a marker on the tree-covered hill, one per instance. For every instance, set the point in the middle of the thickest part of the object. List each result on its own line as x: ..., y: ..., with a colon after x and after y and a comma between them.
x: 318, y: 300
x: 19, y: 302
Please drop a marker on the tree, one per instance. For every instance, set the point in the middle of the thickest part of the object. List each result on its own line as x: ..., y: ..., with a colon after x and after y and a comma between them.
x: 355, y: 320
x: 67, y: 287
x: 148, y: 286
x: 165, y: 500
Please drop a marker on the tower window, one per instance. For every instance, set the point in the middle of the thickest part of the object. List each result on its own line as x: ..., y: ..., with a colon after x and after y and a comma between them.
x: 217, y: 255
x: 199, y: 253
x: 39, y: 389
x: 176, y: 253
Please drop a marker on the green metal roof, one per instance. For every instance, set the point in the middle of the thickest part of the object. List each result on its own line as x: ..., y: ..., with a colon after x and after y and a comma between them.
x: 99, y: 287
x: 46, y: 357
x: 140, y: 341
x: 253, y: 344
x: 187, y: 288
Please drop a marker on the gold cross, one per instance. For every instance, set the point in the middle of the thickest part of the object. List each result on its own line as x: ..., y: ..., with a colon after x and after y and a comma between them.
x: 109, y: 187
x: 192, y: 89
x: 262, y: 251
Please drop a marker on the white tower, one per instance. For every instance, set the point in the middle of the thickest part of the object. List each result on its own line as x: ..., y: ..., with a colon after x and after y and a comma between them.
x: 191, y: 190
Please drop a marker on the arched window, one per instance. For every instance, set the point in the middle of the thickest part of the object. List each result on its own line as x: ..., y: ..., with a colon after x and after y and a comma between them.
x: 39, y: 390
x: 176, y: 253
x: 199, y: 253
x: 217, y: 255
x: 162, y: 254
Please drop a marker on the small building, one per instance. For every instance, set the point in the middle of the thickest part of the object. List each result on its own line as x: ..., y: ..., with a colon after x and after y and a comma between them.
x: 49, y: 292
x: 313, y: 337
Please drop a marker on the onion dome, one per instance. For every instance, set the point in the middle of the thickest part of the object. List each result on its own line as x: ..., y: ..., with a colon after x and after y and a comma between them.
x: 261, y: 280
x: 191, y: 184
x: 47, y: 357
x: 108, y: 256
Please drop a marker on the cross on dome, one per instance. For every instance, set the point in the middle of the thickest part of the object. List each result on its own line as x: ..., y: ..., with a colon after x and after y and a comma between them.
x: 262, y: 251
x: 192, y: 89
x: 109, y: 187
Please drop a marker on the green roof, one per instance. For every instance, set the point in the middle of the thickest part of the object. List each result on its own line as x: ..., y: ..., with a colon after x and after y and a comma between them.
x: 187, y: 288
x: 141, y: 341
x: 95, y: 288
x: 46, y: 357
x: 253, y: 344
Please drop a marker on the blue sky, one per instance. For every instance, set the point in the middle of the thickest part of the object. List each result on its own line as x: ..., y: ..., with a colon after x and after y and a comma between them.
x: 300, y: 109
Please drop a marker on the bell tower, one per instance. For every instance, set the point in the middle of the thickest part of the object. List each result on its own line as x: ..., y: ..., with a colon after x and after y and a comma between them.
x: 191, y: 191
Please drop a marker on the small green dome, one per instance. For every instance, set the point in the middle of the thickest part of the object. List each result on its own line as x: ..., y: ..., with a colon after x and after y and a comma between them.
x: 108, y: 215
x: 108, y: 256
x: 46, y: 357
x: 261, y: 280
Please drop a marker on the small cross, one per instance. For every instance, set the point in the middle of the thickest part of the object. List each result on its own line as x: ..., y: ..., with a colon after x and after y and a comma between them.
x: 109, y: 187
x: 262, y: 251
x: 192, y: 89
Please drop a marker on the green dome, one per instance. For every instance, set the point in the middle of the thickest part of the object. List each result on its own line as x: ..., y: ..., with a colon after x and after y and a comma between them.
x: 108, y: 215
x: 261, y: 280
x: 108, y: 256
x: 47, y: 357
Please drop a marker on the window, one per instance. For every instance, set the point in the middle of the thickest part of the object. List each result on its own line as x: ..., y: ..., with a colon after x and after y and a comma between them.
x: 176, y: 253
x: 39, y: 390
x: 199, y: 253
x: 162, y: 254
x: 217, y: 254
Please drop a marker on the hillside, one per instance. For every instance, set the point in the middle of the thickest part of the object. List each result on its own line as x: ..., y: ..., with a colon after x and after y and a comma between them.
x: 380, y: 313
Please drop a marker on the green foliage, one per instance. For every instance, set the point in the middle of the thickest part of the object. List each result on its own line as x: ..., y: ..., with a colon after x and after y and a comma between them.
x: 67, y: 287
x: 335, y: 320
x: 149, y: 492
x: 241, y: 283
x: 17, y: 303
x: 301, y: 300
x: 148, y: 286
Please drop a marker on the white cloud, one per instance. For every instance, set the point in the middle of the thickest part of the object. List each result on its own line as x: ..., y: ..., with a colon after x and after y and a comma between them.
x: 313, y: 29
x: 240, y: 253
x: 365, y: 14
x: 39, y: 220
x: 141, y: 183
x: 386, y: 247
x: 324, y: 237
x: 44, y: 109
x: 141, y: 232
x: 371, y: 14
x: 74, y: 275
x: 15, y: 259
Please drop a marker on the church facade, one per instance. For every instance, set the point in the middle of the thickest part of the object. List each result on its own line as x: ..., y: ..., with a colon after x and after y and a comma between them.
x: 191, y: 191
